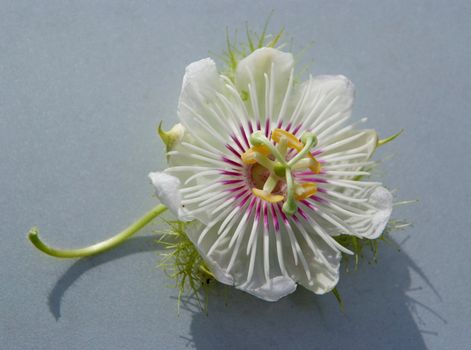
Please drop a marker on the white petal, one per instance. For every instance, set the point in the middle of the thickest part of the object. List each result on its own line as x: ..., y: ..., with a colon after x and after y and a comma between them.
x: 271, y: 289
x: 363, y: 219
x: 365, y: 140
x: 199, y: 107
x: 193, y: 230
x: 167, y: 190
x: 323, y: 261
x: 277, y: 288
x: 339, y: 149
x: 277, y: 67
x: 329, y: 99
x: 187, y: 162
x: 382, y: 200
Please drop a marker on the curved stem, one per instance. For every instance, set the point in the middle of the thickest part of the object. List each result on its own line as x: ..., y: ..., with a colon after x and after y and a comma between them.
x: 97, y: 248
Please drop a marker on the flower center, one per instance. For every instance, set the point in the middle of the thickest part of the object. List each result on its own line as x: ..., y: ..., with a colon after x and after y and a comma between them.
x: 259, y: 175
x: 273, y: 162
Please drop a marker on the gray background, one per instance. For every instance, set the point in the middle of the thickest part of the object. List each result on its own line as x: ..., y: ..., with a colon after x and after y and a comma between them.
x: 83, y: 85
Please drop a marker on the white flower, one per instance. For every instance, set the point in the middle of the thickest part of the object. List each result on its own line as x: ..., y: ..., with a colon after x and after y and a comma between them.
x: 268, y: 171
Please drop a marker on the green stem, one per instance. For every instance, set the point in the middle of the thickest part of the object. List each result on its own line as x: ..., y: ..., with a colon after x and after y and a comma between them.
x: 97, y: 248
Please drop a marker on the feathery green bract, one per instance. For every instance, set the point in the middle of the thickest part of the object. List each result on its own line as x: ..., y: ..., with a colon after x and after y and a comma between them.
x: 236, y: 50
x: 182, y: 262
x: 358, y: 245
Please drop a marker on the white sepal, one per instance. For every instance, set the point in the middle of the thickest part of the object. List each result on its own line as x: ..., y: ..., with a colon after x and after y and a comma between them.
x: 167, y: 190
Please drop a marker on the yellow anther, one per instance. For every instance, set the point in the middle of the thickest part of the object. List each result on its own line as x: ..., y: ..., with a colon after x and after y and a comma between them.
x: 305, y: 190
x: 268, y: 197
x: 316, y: 168
x: 293, y: 141
x: 248, y: 157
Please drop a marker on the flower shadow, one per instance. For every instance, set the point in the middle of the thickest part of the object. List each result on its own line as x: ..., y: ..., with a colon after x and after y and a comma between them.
x: 379, y: 314
x: 75, y: 271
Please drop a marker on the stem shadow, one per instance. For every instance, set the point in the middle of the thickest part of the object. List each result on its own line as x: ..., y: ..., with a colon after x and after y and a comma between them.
x: 72, y: 274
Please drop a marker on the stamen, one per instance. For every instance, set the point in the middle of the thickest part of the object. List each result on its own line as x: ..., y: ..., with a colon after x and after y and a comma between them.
x: 266, y: 196
x: 305, y: 190
x: 248, y: 157
x: 292, y: 140
x: 305, y: 163
x: 277, y: 176
x: 283, y: 145
x: 316, y: 168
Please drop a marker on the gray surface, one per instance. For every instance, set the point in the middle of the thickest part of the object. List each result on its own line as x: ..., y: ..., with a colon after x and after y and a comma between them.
x: 84, y: 84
